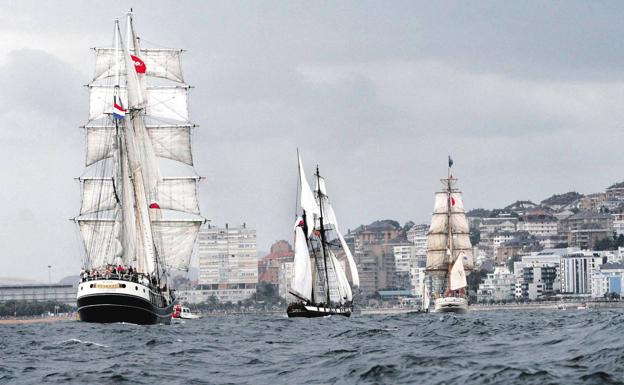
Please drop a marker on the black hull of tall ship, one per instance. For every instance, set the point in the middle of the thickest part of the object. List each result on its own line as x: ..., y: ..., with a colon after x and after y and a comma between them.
x: 132, y: 303
x: 312, y: 311
x: 109, y: 308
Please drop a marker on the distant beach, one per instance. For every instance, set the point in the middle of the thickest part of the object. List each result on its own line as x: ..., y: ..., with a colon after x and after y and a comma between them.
x: 33, y: 320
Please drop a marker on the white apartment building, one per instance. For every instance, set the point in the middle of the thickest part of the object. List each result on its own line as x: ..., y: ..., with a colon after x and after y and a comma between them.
x: 498, y: 286
x: 285, y: 276
x: 228, y: 262
x: 577, y: 270
x: 618, y: 223
x: 493, y: 225
x: 544, y: 258
x: 500, y: 238
x: 538, y: 227
x: 608, y: 279
x: 417, y: 235
x: 404, y: 258
x: 417, y: 278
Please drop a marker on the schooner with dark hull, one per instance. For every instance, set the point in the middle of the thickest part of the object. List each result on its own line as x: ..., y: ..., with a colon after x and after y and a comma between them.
x: 449, y: 252
x: 320, y: 285
x: 139, y: 218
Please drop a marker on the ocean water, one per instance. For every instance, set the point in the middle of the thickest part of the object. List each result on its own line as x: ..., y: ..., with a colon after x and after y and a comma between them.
x: 502, y: 347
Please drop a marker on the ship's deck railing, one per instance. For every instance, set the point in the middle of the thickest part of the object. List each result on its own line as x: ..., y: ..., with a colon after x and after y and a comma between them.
x: 134, y: 277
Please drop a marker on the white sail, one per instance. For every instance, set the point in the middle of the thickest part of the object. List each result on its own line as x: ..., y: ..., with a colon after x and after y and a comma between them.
x: 98, y: 238
x: 161, y: 63
x: 343, y: 284
x: 123, y: 180
x: 168, y: 141
x: 164, y: 103
x: 329, y: 217
x: 441, y: 203
x: 302, y: 276
x: 98, y: 194
x: 175, y: 241
x: 426, y: 300
x: 355, y: 276
x: 172, y: 142
x: 178, y: 194
x: 308, y: 203
x: 458, y: 275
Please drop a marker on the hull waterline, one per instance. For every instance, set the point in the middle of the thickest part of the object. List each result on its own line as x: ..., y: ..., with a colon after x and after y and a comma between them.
x: 310, y: 311
x: 118, y: 301
x: 451, y: 305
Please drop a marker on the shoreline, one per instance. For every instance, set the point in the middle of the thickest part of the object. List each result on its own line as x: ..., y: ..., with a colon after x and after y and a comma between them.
x: 34, y: 320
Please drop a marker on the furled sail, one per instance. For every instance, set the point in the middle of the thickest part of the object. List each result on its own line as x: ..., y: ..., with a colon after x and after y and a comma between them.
x: 301, y: 285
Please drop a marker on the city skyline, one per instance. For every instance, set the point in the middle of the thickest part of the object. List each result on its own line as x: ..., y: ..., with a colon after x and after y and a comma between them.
x: 525, y: 97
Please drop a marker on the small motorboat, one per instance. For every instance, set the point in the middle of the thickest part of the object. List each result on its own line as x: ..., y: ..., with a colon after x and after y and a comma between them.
x: 183, y: 312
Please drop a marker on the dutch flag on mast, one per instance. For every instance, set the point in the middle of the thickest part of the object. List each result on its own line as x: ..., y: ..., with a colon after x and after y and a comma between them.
x: 118, y: 111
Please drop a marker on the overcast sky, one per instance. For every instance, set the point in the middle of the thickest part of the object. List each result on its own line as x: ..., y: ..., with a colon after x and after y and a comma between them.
x: 528, y: 98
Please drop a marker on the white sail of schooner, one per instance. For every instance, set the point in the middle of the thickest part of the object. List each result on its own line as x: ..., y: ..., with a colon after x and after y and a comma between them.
x: 320, y: 282
x: 139, y: 216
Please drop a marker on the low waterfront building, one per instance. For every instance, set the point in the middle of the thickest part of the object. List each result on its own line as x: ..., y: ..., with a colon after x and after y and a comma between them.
x: 607, y: 280
x: 497, y: 286
x: 538, y: 281
x: 544, y: 258
x: 38, y: 293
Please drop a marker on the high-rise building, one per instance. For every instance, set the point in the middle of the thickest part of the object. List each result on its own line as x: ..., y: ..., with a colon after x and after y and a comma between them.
x: 418, y: 236
x: 285, y: 277
x: 228, y: 262
x: 577, y: 271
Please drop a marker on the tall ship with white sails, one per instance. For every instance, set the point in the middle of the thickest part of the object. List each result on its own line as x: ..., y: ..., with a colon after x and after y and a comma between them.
x: 449, y: 252
x: 139, y: 218
x: 320, y: 285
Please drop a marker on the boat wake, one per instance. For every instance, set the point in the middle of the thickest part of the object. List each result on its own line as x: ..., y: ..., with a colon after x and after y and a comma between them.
x: 74, y: 341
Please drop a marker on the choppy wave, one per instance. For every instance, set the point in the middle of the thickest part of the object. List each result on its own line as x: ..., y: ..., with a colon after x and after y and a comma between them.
x: 504, y: 347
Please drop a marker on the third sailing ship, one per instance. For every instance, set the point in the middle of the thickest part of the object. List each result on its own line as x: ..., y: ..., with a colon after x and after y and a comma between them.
x: 137, y: 224
x: 449, y: 252
x: 319, y: 284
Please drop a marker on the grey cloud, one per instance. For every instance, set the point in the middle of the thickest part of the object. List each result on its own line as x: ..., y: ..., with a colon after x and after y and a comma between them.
x: 526, y: 96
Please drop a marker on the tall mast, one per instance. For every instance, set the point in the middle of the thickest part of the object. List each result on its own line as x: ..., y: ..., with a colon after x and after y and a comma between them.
x: 448, y: 219
x: 323, y: 240
x: 116, y: 55
x: 129, y: 29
